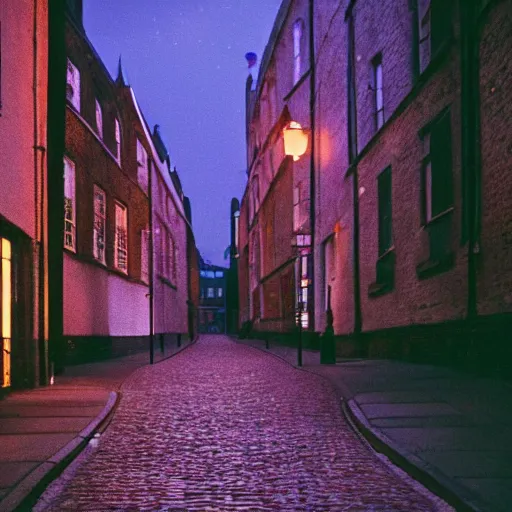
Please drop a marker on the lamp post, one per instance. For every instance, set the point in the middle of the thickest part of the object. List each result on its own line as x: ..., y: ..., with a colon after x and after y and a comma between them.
x: 296, y: 144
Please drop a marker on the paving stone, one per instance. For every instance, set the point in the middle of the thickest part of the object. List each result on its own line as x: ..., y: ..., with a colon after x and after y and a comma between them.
x: 224, y: 427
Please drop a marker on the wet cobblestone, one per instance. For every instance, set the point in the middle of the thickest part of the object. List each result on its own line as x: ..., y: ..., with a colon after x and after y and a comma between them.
x: 226, y: 427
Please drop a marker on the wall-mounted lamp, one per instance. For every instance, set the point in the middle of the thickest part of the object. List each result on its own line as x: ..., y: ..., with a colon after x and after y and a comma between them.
x: 295, y: 140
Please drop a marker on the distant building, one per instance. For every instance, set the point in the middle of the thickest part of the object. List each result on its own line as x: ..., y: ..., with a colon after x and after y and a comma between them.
x: 212, y: 299
x: 232, y: 301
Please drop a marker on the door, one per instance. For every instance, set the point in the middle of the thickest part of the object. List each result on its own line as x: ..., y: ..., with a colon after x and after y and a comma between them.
x: 6, y: 310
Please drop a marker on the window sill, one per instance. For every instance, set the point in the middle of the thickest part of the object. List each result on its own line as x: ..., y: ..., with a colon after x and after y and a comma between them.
x: 436, y: 218
x: 379, y: 289
x: 168, y: 282
x: 297, y: 84
x: 433, y: 267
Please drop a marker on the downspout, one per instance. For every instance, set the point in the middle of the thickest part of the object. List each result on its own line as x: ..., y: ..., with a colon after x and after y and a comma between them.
x: 55, y: 180
x: 470, y: 145
x: 352, y: 137
x: 151, y: 263
x: 312, y: 189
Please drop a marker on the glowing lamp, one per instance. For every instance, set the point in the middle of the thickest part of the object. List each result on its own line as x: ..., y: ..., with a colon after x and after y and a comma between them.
x: 295, y: 140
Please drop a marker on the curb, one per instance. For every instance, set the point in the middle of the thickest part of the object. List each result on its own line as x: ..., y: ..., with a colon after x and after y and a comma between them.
x: 27, y: 491
x: 427, y: 475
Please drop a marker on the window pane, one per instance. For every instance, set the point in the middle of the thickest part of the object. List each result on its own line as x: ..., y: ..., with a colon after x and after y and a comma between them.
x: 385, y: 211
x: 441, y: 151
x: 99, y: 119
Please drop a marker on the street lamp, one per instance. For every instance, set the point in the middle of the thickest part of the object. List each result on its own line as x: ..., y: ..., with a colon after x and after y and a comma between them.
x: 302, y: 243
x: 295, y: 140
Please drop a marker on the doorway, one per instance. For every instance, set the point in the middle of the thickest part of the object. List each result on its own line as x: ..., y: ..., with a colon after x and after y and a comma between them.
x: 6, y: 310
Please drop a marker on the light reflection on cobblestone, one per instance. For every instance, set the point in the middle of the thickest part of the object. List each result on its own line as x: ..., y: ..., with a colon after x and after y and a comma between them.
x: 226, y: 427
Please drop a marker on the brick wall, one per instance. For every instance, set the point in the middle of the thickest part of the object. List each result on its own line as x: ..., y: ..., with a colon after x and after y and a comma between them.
x: 494, y: 283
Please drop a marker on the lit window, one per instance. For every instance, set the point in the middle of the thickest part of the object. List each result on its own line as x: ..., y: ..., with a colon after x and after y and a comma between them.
x: 237, y: 234
x: 144, y: 255
x: 6, y: 297
x: 99, y: 119
x: 219, y: 274
x: 69, y: 205
x: 99, y: 224
x: 219, y: 293
x: 121, y: 239
x: 142, y: 164
x: 118, y: 141
x: 297, y: 43
x: 210, y: 293
x: 73, y: 86
x: 377, y: 89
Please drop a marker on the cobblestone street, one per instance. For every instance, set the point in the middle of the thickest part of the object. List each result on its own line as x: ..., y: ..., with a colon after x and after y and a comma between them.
x: 226, y: 427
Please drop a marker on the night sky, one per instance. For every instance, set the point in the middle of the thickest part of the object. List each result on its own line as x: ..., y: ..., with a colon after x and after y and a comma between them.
x: 185, y: 61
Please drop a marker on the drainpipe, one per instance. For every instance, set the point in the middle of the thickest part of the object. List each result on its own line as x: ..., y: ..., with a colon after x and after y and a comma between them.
x: 151, y: 264
x: 470, y: 144
x: 55, y: 180
x: 312, y: 188
x: 352, y: 138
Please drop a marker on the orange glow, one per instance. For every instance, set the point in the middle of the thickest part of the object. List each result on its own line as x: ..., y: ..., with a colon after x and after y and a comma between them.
x: 295, y: 140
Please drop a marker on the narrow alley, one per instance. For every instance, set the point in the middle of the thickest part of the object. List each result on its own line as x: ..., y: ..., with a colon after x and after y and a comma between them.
x: 223, y: 426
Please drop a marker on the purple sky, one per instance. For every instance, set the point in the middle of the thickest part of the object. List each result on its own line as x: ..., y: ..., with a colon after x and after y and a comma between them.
x: 185, y: 61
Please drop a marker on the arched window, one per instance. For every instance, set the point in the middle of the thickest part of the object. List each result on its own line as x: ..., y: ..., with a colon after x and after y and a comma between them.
x: 298, y: 29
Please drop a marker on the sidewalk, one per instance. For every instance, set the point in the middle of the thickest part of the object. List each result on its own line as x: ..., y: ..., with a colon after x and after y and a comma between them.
x: 43, y: 429
x: 451, y: 431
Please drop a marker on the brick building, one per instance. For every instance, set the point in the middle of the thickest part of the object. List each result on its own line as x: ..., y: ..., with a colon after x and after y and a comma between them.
x: 275, y: 205
x: 24, y: 148
x: 411, y: 210
x: 212, y: 298
x: 125, y: 270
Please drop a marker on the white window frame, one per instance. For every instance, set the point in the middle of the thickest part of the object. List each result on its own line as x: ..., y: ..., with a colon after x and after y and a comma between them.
x: 297, y: 47
x: 121, y: 238
x: 100, y: 224
x: 142, y: 166
x: 210, y: 293
x: 69, y: 205
x: 99, y: 119
x: 118, y: 140
x: 219, y: 293
x: 144, y: 255
x: 73, y: 84
x: 378, y: 92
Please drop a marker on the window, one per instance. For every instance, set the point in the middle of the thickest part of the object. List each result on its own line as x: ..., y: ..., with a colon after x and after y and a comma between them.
x: 118, y: 141
x: 436, y: 175
x: 164, y: 252
x: 202, y: 273
x: 73, y: 86
x: 237, y: 234
x: 210, y: 293
x: 99, y: 119
x: 69, y: 205
x: 377, y: 91
x: 172, y: 259
x: 219, y: 293
x: 329, y: 269
x: 121, y: 239
x: 210, y: 274
x: 297, y: 44
x: 144, y: 255
x: 202, y: 294
x: 99, y: 224
x: 385, y: 213
x: 7, y: 295
x: 300, y: 207
x: 434, y: 29
x: 142, y: 164
x: 437, y: 194
x: 219, y: 274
